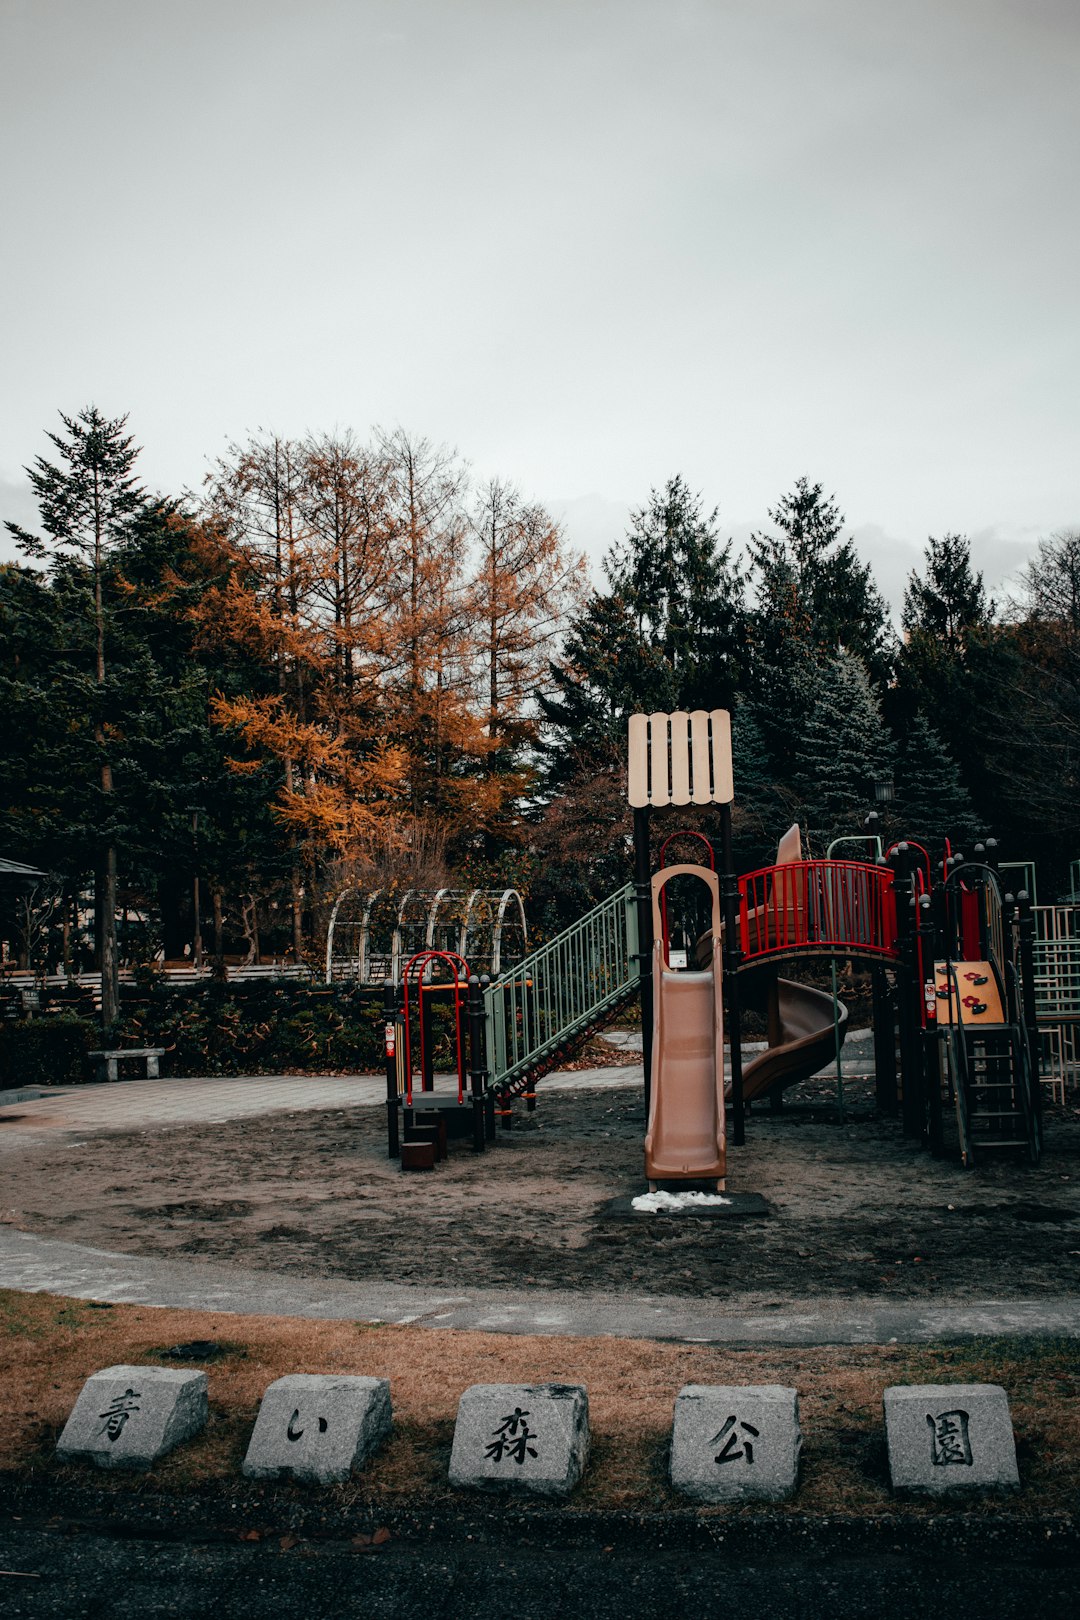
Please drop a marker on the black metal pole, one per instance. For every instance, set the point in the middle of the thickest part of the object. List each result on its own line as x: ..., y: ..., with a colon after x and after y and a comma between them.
x: 477, y: 1061
x: 931, y: 1074
x: 909, y: 1023
x: 643, y: 890
x: 390, y: 1042
x: 1009, y: 926
x: 729, y: 903
x: 884, y: 1043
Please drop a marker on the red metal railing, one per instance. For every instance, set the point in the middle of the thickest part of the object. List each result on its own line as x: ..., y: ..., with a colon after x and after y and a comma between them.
x: 835, y: 907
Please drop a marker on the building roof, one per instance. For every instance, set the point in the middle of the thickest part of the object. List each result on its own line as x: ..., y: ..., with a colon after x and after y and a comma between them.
x: 14, y: 873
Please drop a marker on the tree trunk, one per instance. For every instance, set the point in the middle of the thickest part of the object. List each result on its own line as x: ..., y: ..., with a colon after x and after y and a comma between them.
x: 249, y: 922
x: 297, y: 913
x: 219, y: 923
x: 105, y: 888
x: 110, y: 966
x: 68, y: 905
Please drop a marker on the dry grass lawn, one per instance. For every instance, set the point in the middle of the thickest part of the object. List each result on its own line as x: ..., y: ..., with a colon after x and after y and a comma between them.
x: 49, y: 1346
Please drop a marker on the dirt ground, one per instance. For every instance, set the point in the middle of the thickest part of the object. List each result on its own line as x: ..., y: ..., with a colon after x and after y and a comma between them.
x: 856, y: 1210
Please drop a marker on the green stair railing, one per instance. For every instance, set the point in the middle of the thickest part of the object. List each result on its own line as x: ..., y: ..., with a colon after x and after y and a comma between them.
x: 557, y: 991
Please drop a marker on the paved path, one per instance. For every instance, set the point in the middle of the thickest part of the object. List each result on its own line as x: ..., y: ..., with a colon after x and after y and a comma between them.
x: 36, y: 1264
x: 158, y: 1105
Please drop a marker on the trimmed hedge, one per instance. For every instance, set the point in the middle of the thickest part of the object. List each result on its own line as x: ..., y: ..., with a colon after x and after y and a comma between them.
x: 261, y: 1027
x: 46, y: 1051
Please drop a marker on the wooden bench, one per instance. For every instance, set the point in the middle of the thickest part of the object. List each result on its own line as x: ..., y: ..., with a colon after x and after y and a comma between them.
x: 106, y: 1064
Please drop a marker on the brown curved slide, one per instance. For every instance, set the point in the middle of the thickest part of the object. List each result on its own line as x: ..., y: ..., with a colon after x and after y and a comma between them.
x: 808, y: 1040
x: 685, y: 1136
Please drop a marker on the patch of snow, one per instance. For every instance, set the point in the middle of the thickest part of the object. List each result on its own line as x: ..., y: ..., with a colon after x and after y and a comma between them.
x: 653, y: 1203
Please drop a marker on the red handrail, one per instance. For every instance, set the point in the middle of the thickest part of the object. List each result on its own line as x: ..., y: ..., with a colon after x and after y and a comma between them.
x: 923, y: 851
x: 835, y: 907
x: 424, y: 957
x: 671, y: 837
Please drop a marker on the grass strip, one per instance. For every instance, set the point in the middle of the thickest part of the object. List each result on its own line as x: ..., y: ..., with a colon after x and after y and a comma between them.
x: 49, y: 1345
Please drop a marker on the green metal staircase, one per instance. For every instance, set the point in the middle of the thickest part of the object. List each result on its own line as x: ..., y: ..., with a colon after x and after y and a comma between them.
x: 542, y: 1009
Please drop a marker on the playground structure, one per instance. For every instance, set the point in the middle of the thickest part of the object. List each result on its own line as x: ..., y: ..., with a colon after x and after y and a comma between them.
x: 1056, y: 965
x: 962, y: 1080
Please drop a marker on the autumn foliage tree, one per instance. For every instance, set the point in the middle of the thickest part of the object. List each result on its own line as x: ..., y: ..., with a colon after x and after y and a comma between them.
x: 403, y: 624
x: 525, y: 584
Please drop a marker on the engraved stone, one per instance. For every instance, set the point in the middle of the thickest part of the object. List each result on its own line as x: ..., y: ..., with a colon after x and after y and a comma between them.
x: 128, y: 1417
x: 948, y: 1437
x: 735, y: 1443
x: 521, y: 1437
x: 318, y: 1427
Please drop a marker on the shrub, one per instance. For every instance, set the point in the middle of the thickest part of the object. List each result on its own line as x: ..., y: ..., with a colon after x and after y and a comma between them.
x: 46, y: 1051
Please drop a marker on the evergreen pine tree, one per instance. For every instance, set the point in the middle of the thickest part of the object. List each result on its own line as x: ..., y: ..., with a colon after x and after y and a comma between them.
x: 931, y: 801
x: 951, y: 666
x: 943, y: 607
x: 668, y: 633
x: 88, y: 504
x: 684, y: 595
x: 811, y: 588
x: 813, y: 598
x: 761, y: 809
x: 843, y: 749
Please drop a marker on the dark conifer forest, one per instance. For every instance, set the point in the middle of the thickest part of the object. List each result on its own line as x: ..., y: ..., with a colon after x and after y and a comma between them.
x: 346, y: 661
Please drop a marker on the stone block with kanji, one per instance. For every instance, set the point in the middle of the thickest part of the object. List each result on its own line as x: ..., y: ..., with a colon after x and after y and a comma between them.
x: 521, y: 1437
x: 128, y: 1417
x: 735, y: 1442
x: 318, y: 1427
x: 949, y: 1437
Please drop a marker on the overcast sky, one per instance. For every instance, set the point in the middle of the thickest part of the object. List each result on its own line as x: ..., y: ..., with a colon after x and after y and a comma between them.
x: 590, y: 244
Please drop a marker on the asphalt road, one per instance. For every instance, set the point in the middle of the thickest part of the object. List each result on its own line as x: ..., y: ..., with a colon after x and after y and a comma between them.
x: 71, y: 1574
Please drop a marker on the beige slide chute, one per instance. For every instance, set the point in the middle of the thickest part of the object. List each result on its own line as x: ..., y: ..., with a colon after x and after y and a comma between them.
x: 685, y: 1137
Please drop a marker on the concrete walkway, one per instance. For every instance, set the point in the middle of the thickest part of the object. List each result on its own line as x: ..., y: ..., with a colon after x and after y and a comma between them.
x: 36, y: 1264
x: 161, y: 1105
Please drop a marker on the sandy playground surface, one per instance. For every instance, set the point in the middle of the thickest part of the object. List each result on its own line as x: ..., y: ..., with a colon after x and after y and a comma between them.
x: 856, y: 1210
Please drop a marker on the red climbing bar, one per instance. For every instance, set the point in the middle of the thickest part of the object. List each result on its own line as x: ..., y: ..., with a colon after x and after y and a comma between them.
x: 421, y: 962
